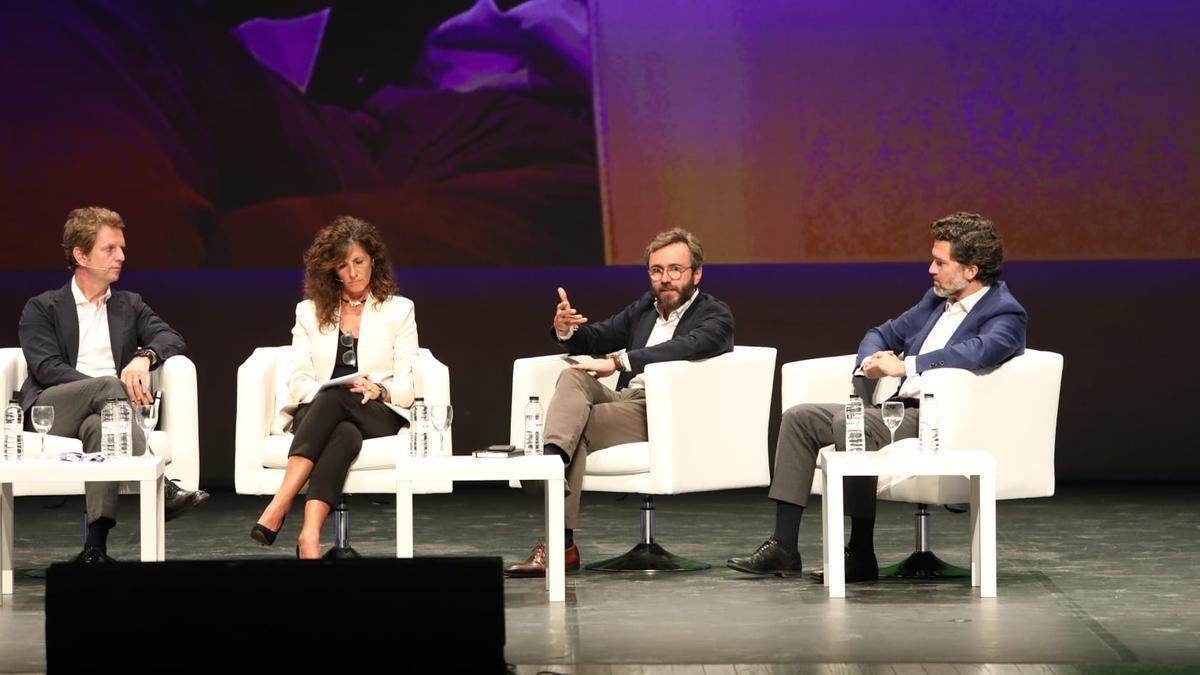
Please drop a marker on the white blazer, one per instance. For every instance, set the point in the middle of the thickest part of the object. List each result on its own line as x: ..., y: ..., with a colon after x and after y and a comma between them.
x: 387, y: 345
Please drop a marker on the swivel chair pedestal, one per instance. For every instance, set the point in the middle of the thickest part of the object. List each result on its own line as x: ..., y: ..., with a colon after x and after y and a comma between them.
x: 647, y: 556
x: 923, y: 564
x: 341, y: 534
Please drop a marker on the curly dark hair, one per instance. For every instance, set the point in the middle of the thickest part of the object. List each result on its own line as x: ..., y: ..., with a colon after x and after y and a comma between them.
x: 321, y: 284
x: 973, y: 241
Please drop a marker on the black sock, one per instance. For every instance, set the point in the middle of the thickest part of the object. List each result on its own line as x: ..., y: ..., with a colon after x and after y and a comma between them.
x: 862, y: 535
x: 97, y: 533
x: 552, y: 449
x: 787, y: 524
x: 568, y: 538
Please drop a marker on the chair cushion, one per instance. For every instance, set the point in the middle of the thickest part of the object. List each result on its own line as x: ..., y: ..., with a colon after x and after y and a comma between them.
x: 620, y: 460
x: 376, y: 453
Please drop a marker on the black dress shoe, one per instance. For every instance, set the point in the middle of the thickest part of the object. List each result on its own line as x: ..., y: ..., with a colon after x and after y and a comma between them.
x: 92, y: 554
x: 266, y: 536
x: 859, y: 567
x: 770, y: 558
x: 178, y: 501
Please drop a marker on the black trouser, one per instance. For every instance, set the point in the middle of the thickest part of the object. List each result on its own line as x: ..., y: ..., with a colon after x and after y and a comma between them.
x: 330, y: 432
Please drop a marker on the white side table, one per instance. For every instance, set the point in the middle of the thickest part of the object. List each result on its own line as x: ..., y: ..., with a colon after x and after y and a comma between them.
x: 541, y: 467
x: 979, y: 465
x: 147, y: 471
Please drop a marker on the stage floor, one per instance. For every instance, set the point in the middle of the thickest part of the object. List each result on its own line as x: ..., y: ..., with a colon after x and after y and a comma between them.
x: 1099, y: 578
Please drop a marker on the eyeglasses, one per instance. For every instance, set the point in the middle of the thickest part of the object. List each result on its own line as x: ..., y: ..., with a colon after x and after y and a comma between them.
x: 348, y: 357
x: 674, y: 272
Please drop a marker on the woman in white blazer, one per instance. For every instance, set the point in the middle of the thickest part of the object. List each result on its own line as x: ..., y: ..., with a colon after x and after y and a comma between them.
x: 350, y: 323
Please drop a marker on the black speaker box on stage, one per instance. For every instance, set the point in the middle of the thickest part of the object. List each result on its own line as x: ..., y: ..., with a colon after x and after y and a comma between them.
x: 416, y: 615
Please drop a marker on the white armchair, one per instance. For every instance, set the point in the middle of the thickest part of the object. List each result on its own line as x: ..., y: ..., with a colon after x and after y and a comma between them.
x: 177, y: 437
x: 707, y: 428
x: 261, y: 447
x: 1011, y: 411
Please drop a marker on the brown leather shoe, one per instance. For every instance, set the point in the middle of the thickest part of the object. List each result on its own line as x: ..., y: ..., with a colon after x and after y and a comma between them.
x: 535, y: 564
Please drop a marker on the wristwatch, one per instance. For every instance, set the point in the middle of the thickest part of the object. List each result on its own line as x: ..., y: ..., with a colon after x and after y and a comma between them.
x: 383, y: 392
x: 148, y: 353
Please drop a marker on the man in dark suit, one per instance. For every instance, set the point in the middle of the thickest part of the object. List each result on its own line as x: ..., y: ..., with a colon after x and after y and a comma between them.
x: 86, y: 343
x: 968, y: 319
x: 671, y: 322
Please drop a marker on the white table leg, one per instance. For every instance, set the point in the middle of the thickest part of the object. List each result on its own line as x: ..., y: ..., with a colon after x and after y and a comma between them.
x: 556, y: 574
x: 835, y: 561
x: 987, y: 534
x: 825, y: 525
x: 6, y: 538
x: 148, y: 508
x: 160, y: 513
x: 404, y: 519
x: 975, y: 534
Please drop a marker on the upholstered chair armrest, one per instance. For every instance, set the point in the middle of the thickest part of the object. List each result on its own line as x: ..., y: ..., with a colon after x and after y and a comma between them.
x: 179, y: 419
x: 536, y: 376
x: 707, y: 421
x: 1011, y: 411
x: 823, y: 380
x: 255, y: 410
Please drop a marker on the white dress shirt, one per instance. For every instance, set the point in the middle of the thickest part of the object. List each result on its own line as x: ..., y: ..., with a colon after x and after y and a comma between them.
x: 952, y: 317
x: 95, y: 343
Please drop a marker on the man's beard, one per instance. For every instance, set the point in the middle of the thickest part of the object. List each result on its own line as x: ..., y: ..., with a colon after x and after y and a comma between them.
x: 684, y: 293
x: 959, y: 284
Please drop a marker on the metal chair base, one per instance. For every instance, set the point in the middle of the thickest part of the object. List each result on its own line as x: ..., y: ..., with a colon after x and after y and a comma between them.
x: 923, y: 565
x: 650, y: 559
x: 341, y: 553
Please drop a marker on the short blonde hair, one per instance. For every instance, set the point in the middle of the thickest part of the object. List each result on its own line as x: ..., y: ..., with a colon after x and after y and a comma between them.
x: 83, y: 225
x: 678, y: 235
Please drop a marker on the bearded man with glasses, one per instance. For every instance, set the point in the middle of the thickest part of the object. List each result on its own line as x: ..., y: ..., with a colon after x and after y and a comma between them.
x: 673, y: 321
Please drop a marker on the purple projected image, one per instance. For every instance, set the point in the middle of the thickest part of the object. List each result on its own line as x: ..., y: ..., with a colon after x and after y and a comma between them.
x: 462, y: 130
x: 835, y: 131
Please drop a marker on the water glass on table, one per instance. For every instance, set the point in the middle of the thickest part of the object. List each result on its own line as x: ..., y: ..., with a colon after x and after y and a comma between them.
x: 43, y: 418
x: 147, y: 418
x: 441, y: 416
x: 893, y: 415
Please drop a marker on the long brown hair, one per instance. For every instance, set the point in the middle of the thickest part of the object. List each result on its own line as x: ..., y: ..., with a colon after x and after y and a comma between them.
x: 321, y: 284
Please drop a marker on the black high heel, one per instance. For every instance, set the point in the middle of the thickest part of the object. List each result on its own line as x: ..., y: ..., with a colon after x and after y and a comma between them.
x: 263, y: 534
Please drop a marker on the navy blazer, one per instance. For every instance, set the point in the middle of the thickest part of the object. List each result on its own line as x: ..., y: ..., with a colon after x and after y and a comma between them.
x: 705, y: 330
x: 49, y: 335
x: 992, y: 333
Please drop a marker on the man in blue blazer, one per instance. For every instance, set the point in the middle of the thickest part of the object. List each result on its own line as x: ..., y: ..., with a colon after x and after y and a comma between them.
x: 85, y: 343
x: 968, y: 319
x: 673, y: 321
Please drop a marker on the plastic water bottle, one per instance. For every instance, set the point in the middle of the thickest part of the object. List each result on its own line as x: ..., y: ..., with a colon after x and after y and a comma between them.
x: 533, y: 427
x: 929, y: 424
x: 124, y: 428
x: 14, y: 424
x: 418, y: 436
x: 856, y: 441
x: 108, y: 428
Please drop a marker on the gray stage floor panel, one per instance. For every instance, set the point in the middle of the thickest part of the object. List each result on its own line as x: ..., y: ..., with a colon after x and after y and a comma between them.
x: 1098, y: 579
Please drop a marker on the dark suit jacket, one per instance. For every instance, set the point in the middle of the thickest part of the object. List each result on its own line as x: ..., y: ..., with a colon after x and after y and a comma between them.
x: 704, y: 331
x: 992, y: 333
x: 49, y: 334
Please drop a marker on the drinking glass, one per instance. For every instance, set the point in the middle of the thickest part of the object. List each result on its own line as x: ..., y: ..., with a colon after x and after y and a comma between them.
x: 147, y: 419
x: 441, y: 416
x: 43, y: 419
x: 893, y: 415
